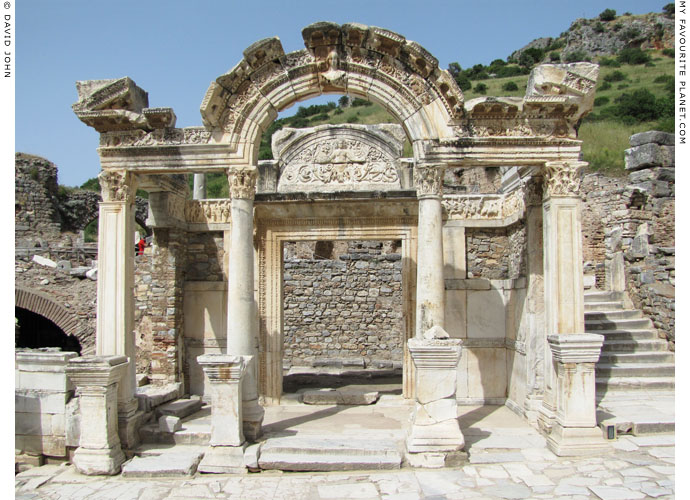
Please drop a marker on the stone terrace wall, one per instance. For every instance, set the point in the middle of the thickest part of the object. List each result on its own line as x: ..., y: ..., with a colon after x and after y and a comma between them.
x: 347, y: 308
x: 628, y: 226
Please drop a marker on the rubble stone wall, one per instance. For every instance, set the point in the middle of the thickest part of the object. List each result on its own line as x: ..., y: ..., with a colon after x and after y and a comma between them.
x: 496, y: 253
x: 35, y: 193
x: 345, y: 308
x: 634, y: 218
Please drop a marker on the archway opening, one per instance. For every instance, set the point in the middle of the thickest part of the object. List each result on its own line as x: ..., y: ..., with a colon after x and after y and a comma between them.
x: 34, y: 331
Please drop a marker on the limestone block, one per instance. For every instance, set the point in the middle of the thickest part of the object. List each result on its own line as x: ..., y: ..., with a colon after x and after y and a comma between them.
x: 35, y: 401
x: 224, y: 460
x: 180, y: 408
x: 649, y: 155
x: 652, y: 136
x: 72, y: 423
x: 339, y: 397
x: 485, y: 314
x: 44, y: 261
x: 168, y: 423
x: 486, y: 369
x: 435, y: 385
x: 165, y: 465
x: 92, y: 274
x: 436, y: 411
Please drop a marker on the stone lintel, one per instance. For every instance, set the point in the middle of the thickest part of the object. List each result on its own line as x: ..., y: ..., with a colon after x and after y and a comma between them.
x: 576, y: 347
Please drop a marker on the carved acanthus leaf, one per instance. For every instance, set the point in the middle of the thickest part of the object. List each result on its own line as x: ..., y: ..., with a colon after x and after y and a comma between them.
x: 242, y: 182
x: 562, y: 178
x: 117, y: 185
x: 428, y: 180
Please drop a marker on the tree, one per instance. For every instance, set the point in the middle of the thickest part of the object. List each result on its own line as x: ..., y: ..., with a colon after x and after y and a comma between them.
x: 463, y: 82
x: 608, y: 15
x: 343, y: 101
x: 669, y: 9
x: 454, y: 69
x: 638, y: 106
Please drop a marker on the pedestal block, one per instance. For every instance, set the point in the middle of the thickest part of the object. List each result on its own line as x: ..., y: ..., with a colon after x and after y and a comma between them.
x: 96, y: 379
x: 225, y: 373
x: 435, y: 439
x: 574, y: 431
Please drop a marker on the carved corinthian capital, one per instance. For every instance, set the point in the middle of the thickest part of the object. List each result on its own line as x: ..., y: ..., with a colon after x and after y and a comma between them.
x: 242, y: 182
x: 429, y: 181
x: 562, y: 178
x: 117, y: 185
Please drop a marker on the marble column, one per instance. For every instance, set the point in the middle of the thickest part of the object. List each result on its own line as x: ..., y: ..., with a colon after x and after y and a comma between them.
x: 96, y: 379
x: 431, y: 291
x: 242, y: 324
x: 115, y: 296
x: 563, y: 291
x: 225, y: 373
x: 199, y: 192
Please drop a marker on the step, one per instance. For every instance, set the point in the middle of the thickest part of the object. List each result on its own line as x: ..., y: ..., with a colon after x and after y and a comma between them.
x: 180, y: 408
x: 594, y: 326
x: 599, y: 296
x: 174, y: 464
x: 312, y: 453
x: 613, y: 315
x: 629, y: 345
x: 626, y: 334
x: 621, y: 384
x: 637, y: 357
x: 635, y: 370
x: 603, y: 306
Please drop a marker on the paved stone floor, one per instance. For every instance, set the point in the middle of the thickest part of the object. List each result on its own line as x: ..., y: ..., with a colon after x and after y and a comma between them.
x: 508, y: 459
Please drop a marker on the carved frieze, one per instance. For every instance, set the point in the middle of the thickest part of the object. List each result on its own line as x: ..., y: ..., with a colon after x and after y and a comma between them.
x: 562, y: 178
x: 484, y: 207
x: 242, y: 181
x: 428, y: 181
x: 117, y: 185
x: 162, y: 137
x: 208, y: 211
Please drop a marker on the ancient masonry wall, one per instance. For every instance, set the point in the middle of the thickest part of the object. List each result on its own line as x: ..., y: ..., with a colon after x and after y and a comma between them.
x: 496, y: 253
x: 35, y: 193
x: 348, y: 307
x: 634, y: 218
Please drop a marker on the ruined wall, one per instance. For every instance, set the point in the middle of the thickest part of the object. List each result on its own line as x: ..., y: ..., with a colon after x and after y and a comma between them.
x: 346, y: 307
x: 36, y: 211
x: 485, y: 180
x: 159, y: 321
x: 628, y: 229
x: 496, y: 253
x: 205, y: 257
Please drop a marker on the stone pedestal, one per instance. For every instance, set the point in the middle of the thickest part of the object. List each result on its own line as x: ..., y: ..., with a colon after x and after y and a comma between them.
x: 574, y: 431
x: 96, y: 379
x: 225, y: 373
x: 115, y: 300
x: 242, y: 328
x: 431, y: 290
x: 435, y: 439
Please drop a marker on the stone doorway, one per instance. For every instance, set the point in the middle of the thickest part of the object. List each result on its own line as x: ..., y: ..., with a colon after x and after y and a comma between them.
x: 342, y: 310
x: 274, y: 234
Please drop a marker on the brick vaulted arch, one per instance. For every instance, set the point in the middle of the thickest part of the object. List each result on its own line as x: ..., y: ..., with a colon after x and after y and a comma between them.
x: 42, y: 305
x: 353, y: 59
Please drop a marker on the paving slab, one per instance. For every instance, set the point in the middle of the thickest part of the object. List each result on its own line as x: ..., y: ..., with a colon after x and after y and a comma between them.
x: 169, y: 464
x: 615, y: 493
x: 180, y: 408
x: 339, y: 397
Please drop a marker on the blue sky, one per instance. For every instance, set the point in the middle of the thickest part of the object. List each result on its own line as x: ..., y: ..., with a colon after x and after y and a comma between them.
x: 174, y: 49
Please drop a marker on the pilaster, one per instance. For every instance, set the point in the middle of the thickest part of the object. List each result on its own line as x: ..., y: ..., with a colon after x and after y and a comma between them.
x: 115, y: 299
x: 96, y: 379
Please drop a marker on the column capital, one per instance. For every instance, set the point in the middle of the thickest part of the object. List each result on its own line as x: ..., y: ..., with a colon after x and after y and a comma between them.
x: 562, y: 178
x: 117, y: 185
x: 242, y: 181
x: 428, y: 180
x: 576, y: 347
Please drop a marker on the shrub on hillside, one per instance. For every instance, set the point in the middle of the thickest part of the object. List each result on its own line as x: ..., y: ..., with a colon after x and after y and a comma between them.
x: 669, y: 9
x: 360, y: 102
x: 669, y: 52
x: 481, y: 88
x: 509, y: 86
x: 577, y: 56
x: 639, y: 105
x: 633, y: 55
x: 608, y: 15
x: 609, y: 61
x: 599, y: 28
x: 554, y: 57
x: 605, y: 86
x: 616, y: 76
x: 601, y: 101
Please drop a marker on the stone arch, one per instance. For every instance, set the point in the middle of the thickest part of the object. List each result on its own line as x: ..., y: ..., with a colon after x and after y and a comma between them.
x: 353, y: 59
x: 42, y: 305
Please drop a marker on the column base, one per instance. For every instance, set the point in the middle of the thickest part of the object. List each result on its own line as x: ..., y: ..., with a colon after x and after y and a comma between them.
x: 546, y: 416
x: 576, y: 441
x: 441, y: 437
x: 252, y: 419
x: 224, y: 460
x: 96, y: 462
x: 533, y: 404
x: 128, y: 429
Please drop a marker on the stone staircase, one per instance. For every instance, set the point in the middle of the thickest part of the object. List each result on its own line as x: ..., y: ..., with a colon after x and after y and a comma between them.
x: 633, y: 358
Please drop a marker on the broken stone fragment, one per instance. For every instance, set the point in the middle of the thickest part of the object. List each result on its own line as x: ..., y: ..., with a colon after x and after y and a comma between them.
x: 168, y: 423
